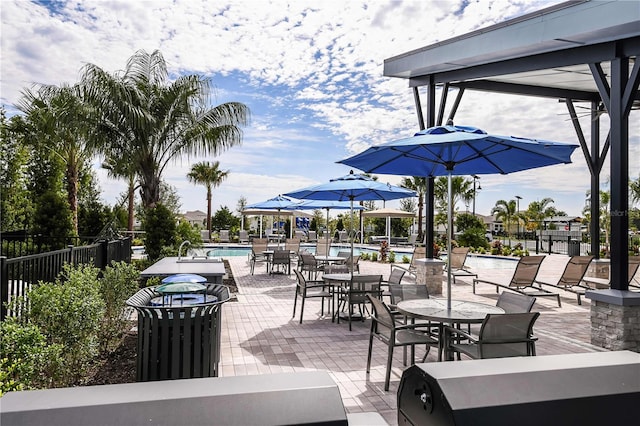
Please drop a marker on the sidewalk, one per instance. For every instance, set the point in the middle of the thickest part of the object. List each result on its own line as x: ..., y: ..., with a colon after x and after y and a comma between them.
x: 260, y: 336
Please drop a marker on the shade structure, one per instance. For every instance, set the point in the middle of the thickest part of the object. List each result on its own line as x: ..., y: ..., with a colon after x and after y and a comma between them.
x: 459, y: 150
x: 326, y: 205
x: 352, y: 187
x: 388, y: 213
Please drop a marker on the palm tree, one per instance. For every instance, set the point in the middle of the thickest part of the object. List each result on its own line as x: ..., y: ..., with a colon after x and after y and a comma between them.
x: 153, y: 121
x: 57, y: 120
x: 461, y: 190
x: 505, y: 211
x: 634, y: 190
x: 209, y: 175
x: 418, y: 184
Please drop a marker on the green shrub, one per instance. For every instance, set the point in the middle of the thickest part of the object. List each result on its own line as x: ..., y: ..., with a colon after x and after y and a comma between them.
x: 364, y: 256
x: 28, y: 362
x: 374, y: 257
x: 473, y: 237
x: 506, y: 251
x: 392, y: 257
x: 405, y: 259
x: 69, y: 313
x: 160, y: 230
x: 119, y: 282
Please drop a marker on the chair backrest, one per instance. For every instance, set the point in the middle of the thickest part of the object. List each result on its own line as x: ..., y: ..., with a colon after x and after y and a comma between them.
x: 361, y: 285
x: 412, y: 239
x: 400, y: 292
x: 336, y: 269
x: 312, y: 236
x: 574, y: 270
x: 224, y: 235
x: 526, y: 271
x: 396, y: 276
x: 343, y: 236
x: 322, y: 246
x: 507, y: 335
x: 281, y: 257
x: 514, y: 303
x: 258, y: 245
x: 344, y: 253
x: 383, y: 317
x: 243, y: 236
x: 299, y: 233
x: 458, y: 257
x: 352, y: 262
x: 301, y: 281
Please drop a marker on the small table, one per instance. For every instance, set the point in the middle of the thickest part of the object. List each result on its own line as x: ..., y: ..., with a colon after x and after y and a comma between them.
x: 461, y: 312
x: 330, y: 259
x: 211, y: 269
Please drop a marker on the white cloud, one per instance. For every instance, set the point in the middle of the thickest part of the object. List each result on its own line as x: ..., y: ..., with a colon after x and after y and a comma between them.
x: 311, y: 72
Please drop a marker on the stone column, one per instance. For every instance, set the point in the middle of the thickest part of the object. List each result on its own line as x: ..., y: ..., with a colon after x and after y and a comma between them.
x: 429, y: 273
x: 615, y: 319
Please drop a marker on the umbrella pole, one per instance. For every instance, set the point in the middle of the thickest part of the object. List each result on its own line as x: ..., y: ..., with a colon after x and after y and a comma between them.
x: 327, y: 236
x: 449, y: 236
x: 351, y: 230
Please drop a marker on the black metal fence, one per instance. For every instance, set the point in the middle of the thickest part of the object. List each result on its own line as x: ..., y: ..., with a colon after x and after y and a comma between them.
x: 19, y: 274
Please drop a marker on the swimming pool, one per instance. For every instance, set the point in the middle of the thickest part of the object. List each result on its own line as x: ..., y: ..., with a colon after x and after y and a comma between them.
x: 474, y: 261
x: 245, y: 250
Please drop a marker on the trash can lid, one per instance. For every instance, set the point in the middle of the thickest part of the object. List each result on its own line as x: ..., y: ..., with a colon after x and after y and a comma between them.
x: 184, y: 278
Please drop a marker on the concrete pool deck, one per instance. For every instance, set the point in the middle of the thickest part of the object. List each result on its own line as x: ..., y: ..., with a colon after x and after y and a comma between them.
x: 260, y: 336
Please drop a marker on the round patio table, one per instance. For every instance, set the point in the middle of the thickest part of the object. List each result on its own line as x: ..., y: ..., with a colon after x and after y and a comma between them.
x: 461, y: 312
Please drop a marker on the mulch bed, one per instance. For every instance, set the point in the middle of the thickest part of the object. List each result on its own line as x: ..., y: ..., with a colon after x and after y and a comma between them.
x: 119, y: 366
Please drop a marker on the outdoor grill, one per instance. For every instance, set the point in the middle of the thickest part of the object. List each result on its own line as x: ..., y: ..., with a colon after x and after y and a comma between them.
x: 586, y: 389
x: 179, y: 326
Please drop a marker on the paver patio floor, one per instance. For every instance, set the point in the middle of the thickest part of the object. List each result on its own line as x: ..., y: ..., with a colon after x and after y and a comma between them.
x: 260, y: 336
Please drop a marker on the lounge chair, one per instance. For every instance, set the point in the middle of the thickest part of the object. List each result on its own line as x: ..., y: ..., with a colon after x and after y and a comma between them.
x: 312, y: 237
x: 243, y: 237
x: 223, y: 236
x: 299, y: 234
x: 501, y: 336
x: 601, y: 283
x: 523, y: 278
x: 458, y: 257
x: 418, y: 253
x: 411, y: 241
x: 571, y: 279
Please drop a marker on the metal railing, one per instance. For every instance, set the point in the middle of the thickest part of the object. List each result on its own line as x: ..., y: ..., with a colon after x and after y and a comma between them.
x: 19, y: 274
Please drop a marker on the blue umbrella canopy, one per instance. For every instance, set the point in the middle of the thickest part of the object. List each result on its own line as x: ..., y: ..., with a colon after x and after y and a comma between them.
x: 325, y: 204
x: 352, y: 187
x: 459, y: 150
x: 276, y: 203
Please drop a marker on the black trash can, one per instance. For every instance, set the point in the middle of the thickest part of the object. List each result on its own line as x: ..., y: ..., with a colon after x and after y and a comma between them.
x: 574, y: 248
x: 179, y: 341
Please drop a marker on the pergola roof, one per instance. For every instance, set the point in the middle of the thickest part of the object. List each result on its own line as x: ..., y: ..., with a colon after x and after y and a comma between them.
x: 573, y: 51
x: 545, y: 53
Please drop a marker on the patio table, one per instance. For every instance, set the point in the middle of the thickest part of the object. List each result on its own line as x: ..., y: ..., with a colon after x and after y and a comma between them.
x: 435, y: 309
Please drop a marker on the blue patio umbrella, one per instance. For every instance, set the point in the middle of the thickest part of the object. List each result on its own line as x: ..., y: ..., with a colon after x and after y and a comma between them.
x: 352, y: 187
x: 459, y: 150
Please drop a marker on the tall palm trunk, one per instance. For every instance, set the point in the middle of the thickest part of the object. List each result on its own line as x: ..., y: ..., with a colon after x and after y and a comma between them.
x: 209, y: 210
x: 72, y: 194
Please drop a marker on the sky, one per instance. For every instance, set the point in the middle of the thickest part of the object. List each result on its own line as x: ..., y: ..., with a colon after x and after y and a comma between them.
x: 311, y: 74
